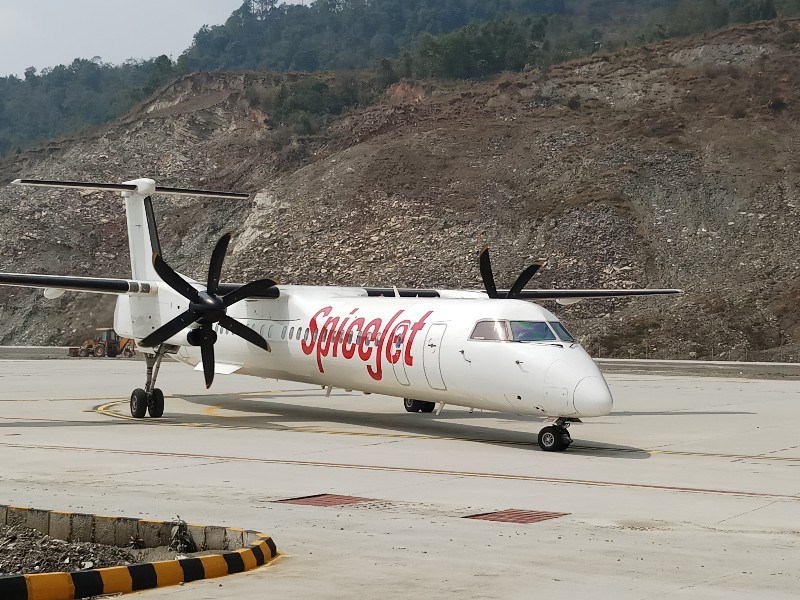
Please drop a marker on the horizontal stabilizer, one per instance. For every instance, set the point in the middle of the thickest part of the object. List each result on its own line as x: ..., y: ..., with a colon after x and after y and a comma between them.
x: 142, y: 186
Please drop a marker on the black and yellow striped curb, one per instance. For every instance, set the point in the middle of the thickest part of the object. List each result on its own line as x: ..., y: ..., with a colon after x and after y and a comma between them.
x: 243, y: 550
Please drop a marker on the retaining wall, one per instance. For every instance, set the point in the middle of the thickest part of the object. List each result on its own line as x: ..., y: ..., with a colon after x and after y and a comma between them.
x: 241, y: 550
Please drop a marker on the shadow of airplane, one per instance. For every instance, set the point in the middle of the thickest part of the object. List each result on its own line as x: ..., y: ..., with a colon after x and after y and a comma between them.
x: 287, y: 416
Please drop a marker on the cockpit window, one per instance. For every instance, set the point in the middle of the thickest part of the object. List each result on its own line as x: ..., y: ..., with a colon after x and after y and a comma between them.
x: 490, y: 331
x: 531, y: 331
x: 561, y: 331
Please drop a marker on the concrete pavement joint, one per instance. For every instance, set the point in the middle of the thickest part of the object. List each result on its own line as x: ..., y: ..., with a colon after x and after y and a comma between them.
x: 417, y: 470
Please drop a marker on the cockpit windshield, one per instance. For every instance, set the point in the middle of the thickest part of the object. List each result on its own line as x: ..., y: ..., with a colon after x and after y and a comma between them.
x: 491, y: 330
x: 562, y: 332
x: 531, y: 331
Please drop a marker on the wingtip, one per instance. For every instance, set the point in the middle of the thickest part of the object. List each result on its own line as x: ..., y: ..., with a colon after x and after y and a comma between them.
x: 17, y: 182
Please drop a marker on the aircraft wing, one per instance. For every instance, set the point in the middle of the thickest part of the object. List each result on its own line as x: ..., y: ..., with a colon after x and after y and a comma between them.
x: 577, y: 294
x: 562, y: 295
x: 97, y: 285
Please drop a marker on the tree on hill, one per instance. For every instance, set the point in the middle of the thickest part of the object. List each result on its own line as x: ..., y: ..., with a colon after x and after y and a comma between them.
x: 339, y: 34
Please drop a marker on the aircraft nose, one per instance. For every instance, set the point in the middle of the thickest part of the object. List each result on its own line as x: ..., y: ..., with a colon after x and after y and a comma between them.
x: 592, y: 398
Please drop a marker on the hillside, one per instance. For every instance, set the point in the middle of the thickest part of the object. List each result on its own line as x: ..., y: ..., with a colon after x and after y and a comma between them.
x: 669, y: 165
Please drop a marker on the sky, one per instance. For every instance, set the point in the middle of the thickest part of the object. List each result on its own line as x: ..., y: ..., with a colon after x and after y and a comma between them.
x: 46, y: 33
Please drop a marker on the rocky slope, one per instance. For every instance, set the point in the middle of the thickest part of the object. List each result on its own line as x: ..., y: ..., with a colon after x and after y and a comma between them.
x: 671, y: 166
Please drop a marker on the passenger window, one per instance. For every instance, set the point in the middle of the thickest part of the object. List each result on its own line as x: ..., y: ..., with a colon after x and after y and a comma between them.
x: 490, y: 331
x: 299, y: 333
x: 269, y: 332
x: 306, y: 336
x: 291, y: 333
x: 283, y: 333
x: 531, y: 331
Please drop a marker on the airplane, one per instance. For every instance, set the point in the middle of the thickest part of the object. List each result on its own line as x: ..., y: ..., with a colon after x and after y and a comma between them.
x: 493, y: 350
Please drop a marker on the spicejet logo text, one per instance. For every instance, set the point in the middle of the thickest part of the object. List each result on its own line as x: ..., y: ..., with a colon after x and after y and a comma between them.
x: 372, y: 342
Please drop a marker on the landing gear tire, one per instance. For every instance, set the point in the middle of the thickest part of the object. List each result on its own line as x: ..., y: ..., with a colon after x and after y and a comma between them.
x: 155, y: 405
x: 138, y: 403
x: 412, y: 405
x: 554, y: 439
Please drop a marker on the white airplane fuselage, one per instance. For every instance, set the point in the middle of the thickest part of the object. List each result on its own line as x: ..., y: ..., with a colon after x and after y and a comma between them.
x: 420, y: 348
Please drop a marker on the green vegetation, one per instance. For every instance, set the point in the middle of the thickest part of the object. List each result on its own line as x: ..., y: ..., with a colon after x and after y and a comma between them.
x: 338, y: 34
x: 385, y: 39
x: 67, y: 99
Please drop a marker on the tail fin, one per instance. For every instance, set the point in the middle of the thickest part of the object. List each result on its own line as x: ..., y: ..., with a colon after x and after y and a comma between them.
x: 143, y: 239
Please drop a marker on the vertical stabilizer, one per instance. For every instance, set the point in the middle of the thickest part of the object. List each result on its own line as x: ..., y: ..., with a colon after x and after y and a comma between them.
x: 141, y: 228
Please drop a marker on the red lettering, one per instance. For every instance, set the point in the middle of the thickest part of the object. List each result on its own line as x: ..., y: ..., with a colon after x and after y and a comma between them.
x: 348, y: 344
x: 415, y: 329
x: 364, y: 351
x: 394, y: 347
x: 308, y: 344
x: 384, y: 344
x: 372, y: 339
x: 326, y: 340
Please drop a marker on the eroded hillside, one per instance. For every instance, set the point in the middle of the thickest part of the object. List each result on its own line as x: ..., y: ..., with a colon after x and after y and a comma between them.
x: 665, y: 166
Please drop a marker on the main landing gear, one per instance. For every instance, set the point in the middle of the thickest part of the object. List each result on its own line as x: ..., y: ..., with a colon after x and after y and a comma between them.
x: 555, y: 438
x: 150, y: 399
x: 412, y: 405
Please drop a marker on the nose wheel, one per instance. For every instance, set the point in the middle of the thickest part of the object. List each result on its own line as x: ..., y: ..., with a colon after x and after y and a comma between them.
x: 555, y: 438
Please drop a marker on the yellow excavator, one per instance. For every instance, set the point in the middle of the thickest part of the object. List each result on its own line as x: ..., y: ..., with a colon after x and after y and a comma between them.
x: 105, y: 343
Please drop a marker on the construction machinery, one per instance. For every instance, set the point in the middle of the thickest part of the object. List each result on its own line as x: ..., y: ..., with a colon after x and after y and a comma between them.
x: 105, y: 343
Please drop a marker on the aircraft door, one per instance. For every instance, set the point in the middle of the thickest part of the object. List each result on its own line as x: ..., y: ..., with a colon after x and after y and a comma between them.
x: 431, y: 358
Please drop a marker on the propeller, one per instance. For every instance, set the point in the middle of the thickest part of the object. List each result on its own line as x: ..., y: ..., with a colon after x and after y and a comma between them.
x: 207, y: 308
x: 519, y: 284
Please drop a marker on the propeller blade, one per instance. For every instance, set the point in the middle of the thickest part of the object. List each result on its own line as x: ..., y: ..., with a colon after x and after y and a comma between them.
x: 254, y: 288
x: 215, y: 266
x: 486, y: 273
x: 243, y: 331
x: 524, y: 278
x: 169, y: 329
x: 207, y: 354
x: 173, y: 280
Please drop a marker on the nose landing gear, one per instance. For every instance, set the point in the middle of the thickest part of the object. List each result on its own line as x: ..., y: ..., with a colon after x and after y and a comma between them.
x: 556, y: 437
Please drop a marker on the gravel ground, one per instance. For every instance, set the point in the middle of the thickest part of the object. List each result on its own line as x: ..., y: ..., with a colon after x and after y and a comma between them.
x: 24, y: 550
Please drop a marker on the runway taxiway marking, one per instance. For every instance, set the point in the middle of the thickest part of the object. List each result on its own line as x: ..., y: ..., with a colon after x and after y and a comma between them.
x: 105, y: 409
x: 413, y: 470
